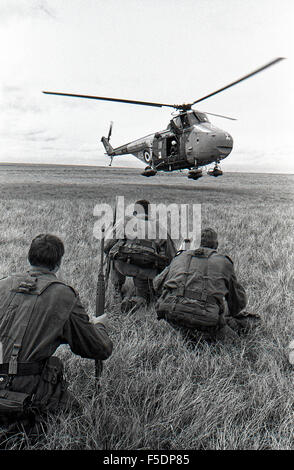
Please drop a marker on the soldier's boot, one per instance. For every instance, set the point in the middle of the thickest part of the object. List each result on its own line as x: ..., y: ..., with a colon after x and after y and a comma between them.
x: 244, y: 321
x: 132, y: 304
x: 144, y: 289
x: 150, y: 296
x: 225, y: 333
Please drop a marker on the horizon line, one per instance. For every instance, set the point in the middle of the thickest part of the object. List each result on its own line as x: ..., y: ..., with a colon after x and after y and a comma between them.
x: 129, y: 168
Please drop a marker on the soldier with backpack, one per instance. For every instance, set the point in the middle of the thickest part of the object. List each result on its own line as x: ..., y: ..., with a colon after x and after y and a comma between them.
x: 199, y: 291
x: 38, y: 312
x: 138, y: 257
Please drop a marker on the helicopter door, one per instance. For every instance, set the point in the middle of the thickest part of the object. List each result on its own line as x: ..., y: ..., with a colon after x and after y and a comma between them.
x: 158, y: 147
x: 172, y: 148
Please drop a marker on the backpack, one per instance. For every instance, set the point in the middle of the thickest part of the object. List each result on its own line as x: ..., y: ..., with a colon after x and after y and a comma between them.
x: 142, y: 253
x: 191, y: 308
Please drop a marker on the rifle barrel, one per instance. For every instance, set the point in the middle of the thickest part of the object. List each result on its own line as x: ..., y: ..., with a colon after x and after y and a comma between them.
x: 100, y: 303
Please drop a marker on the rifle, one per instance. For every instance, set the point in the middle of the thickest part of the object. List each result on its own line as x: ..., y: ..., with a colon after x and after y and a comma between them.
x: 100, y: 304
x: 108, y: 261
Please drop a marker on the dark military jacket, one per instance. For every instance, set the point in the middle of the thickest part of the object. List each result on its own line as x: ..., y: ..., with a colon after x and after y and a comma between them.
x: 211, y: 271
x: 58, y: 318
x: 37, y: 314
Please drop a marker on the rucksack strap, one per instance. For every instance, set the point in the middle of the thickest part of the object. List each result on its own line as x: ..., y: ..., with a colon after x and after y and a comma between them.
x: 24, y: 368
x: 194, y: 295
x: 24, y: 294
x: 204, y: 293
x: 13, y: 364
x: 181, y: 289
x: 203, y: 254
x: 200, y: 295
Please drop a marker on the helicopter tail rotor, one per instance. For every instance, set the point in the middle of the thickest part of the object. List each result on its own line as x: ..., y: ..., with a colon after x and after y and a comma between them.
x: 110, y: 130
x: 105, y: 142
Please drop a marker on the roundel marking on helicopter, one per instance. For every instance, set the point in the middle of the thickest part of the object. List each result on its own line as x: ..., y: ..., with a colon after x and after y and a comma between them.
x: 147, y: 156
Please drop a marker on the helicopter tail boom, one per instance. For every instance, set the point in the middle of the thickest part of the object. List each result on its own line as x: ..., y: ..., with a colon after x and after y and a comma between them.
x: 107, y: 146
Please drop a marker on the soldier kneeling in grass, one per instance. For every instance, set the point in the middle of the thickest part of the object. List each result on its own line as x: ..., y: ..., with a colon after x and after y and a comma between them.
x: 38, y: 312
x: 138, y: 257
x: 199, y: 291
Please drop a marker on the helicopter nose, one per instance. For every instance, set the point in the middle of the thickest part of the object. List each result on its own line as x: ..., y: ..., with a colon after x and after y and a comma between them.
x: 224, y: 144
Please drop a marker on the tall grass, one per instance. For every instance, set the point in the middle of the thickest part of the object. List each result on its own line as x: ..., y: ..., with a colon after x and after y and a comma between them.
x: 157, y: 391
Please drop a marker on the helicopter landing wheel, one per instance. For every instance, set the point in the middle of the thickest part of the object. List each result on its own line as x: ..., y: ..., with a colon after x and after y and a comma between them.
x: 149, y: 171
x: 195, y: 174
x: 216, y: 171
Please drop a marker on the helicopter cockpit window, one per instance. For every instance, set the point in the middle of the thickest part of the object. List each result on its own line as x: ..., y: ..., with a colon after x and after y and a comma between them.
x: 185, y: 120
x: 193, y: 119
x: 201, y: 117
x: 178, y: 122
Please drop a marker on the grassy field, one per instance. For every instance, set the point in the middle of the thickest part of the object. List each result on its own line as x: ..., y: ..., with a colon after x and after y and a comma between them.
x: 157, y: 393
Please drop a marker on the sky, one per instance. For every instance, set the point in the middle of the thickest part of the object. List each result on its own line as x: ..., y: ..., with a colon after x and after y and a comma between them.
x: 169, y: 51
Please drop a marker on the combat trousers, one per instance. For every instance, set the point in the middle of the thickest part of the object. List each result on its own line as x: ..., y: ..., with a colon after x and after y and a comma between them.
x: 49, y: 396
x: 230, y: 329
x: 143, y: 286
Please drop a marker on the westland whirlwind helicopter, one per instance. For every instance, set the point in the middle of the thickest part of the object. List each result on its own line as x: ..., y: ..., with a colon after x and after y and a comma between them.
x: 190, y: 141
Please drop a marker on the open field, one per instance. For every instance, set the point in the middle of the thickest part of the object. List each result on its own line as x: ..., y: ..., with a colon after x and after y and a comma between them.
x: 156, y: 393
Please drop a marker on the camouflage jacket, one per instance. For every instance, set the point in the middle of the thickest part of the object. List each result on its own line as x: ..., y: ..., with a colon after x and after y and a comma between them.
x: 198, y: 270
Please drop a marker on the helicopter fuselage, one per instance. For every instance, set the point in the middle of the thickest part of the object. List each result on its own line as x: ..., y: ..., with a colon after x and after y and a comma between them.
x: 190, y: 141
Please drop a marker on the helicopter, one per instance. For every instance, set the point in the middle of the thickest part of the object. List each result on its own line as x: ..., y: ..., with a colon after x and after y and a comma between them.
x: 190, y: 141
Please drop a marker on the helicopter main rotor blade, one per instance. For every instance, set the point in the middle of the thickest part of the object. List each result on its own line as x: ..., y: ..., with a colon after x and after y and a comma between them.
x: 275, y: 61
x: 180, y: 107
x: 219, y: 115
x: 119, y: 100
